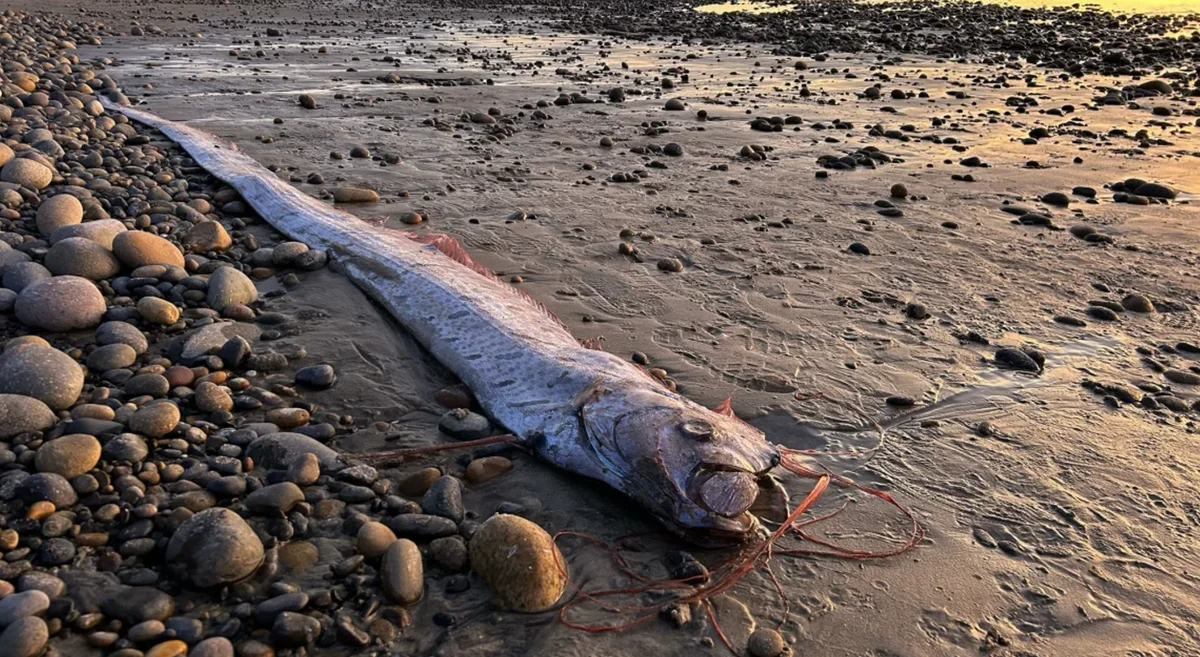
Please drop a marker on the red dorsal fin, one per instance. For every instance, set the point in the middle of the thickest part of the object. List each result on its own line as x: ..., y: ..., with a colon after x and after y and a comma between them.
x: 726, y: 407
x: 455, y: 251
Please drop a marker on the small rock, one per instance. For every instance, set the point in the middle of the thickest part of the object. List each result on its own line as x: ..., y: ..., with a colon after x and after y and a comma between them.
x: 461, y: 424
x: 355, y: 195
x: 765, y: 642
x: 216, y: 547
x: 373, y: 539
x: 519, y: 562
x: 58, y: 211
x: 22, y: 414
x: 136, y: 248
x: 486, y: 468
x: 317, y: 377
x: 69, y: 456
x: 1182, y: 377
x: 444, y: 498
x: 401, y: 572
x: 24, y: 638
x: 77, y: 256
x: 276, y: 499
x: 22, y: 605
x: 228, y: 286
x: 158, y: 311
x: 450, y: 553
x: 217, y: 646
x: 417, y: 483
x: 155, y: 420
x: 1016, y: 359
x: 304, y: 470
x: 1137, y: 303
x: 208, y: 236
x: 293, y: 630
x: 27, y: 173
x: 62, y: 303
x: 44, y: 373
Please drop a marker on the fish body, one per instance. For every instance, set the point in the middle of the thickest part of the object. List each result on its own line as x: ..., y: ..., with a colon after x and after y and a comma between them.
x: 583, y: 410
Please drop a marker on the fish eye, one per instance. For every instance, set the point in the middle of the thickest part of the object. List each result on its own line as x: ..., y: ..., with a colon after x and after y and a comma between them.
x: 698, y: 429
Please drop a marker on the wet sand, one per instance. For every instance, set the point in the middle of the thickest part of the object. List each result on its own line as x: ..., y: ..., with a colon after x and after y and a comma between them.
x: 1062, y: 526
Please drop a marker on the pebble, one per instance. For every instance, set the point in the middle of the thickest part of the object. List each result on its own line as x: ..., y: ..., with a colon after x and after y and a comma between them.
x: 21, y: 414
x: 158, y: 311
x: 135, y: 248
x: 127, y: 447
x: 1016, y: 359
x: 373, y: 539
x: 44, y: 373
x: 421, y: 526
x: 450, y: 553
x: 77, y: 256
x: 275, y: 499
x: 1182, y: 377
x: 111, y: 357
x: 519, y: 562
x: 58, y: 211
x: 293, y: 630
x: 486, y: 468
x: 355, y: 195
x: 304, y: 470
x: 317, y: 377
x: 18, y: 276
x: 765, y: 642
x: 148, y: 384
x: 24, y: 638
x: 401, y: 572
x: 27, y: 173
x: 49, y: 487
x: 122, y: 333
x: 674, y: 265
x: 1137, y: 303
x: 217, y: 646
x: 277, y: 450
x: 208, y: 236
x: 22, y: 605
x: 171, y: 648
x: 444, y: 498
x: 227, y: 286
x: 211, y: 397
x: 69, y: 456
x: 462, y: 424
x: 59, y: 304
x: 418, y: 482
x: 216, y: 547
x: 268, y: 610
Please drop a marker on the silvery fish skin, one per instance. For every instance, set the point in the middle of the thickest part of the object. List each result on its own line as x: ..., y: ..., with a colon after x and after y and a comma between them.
x: 583, y: 410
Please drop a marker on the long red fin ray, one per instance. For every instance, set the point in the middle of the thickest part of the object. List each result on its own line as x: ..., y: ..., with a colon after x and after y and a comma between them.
x: 452, y: 249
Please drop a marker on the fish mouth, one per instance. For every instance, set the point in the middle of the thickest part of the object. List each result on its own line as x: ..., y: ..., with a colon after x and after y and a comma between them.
x: 727, y: 490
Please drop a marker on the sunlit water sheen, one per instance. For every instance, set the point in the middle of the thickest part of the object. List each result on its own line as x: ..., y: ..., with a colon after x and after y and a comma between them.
x: 1138, y: 6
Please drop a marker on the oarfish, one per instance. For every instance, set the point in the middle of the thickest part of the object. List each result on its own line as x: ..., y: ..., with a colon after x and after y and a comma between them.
x: 584, y: 410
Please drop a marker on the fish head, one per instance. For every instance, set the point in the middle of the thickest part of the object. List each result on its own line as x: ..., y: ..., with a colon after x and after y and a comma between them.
x: 696, y: 469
